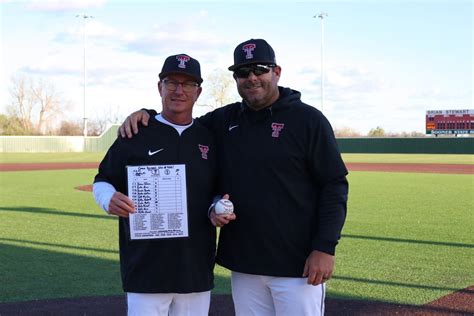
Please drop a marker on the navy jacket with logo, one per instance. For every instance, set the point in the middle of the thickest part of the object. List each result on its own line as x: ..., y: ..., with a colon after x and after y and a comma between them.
x: 285, y: 175
x: 171, y: 265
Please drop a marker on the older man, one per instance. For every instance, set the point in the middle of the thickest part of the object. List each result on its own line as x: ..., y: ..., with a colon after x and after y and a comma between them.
x: 166, y: 276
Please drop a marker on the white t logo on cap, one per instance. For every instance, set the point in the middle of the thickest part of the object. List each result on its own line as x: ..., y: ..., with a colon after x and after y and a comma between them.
x: 248, y: 49
x: 182, y: 61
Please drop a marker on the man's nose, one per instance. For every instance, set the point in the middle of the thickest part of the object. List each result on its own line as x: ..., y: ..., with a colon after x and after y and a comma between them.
x: 179, y: 88
x: 251, y: 76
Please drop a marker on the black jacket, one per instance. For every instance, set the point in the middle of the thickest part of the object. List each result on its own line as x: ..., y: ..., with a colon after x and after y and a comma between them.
x: 284, y: 173
x: 171, y: 265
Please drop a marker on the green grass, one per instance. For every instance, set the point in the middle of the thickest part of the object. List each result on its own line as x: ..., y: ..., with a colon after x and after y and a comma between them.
x: 55, y: 241
x: 412, y: 158
x: 407, y: 238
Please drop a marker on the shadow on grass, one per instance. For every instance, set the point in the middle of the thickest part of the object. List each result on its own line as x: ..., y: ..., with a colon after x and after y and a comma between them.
x: 21, y: 251
x: 49, y: 211
x: 40, y: 282
x: 397, y: 284
x: 41, y: 210
x: 39, y: 243
x: 29, y: 274
x: 410, y: 241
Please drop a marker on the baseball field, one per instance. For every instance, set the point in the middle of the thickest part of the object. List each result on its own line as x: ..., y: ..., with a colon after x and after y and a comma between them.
x: 407, y: 240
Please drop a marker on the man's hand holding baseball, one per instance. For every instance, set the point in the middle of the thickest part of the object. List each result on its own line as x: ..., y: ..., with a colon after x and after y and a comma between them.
x: 222, y: 219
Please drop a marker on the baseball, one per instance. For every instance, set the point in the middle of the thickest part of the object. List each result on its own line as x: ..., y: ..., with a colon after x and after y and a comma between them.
x: 224, y: 206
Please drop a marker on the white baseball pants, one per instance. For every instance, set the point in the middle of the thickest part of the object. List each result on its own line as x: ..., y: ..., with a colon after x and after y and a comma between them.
x: 172, y: 304
x: 261, y: 295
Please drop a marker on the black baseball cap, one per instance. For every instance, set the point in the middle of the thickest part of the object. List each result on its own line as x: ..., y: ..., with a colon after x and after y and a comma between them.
x: 253, y: 51
x: 181, y: 64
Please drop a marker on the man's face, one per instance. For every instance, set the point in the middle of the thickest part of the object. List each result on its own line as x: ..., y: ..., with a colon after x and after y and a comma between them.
x: 258, y: 90
x: 178, y: 94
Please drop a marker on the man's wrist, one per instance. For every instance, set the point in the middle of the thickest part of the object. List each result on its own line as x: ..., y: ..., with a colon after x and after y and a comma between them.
x: 211, y: 208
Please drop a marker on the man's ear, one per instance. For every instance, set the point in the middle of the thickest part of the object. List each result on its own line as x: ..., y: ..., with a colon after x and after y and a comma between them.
x: 277, y: 71
x: 198, y: 92
x: 159, y: 85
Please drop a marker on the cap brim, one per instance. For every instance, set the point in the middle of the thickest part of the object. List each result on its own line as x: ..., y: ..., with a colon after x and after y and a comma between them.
x: 164, y: 74
x: 261, y: 62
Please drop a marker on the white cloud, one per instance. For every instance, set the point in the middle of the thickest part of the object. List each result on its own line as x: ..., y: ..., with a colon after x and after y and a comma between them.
x: 185, y: 37
x: 94, y: 29
x: 63, y: 5
x: 97, y: 29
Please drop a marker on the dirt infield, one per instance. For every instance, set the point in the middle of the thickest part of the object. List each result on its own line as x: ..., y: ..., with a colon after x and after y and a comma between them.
x: 458, y: 303
x: 352, y: 166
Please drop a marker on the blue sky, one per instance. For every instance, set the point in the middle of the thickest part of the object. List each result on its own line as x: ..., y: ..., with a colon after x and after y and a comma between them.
x: 386, y: 62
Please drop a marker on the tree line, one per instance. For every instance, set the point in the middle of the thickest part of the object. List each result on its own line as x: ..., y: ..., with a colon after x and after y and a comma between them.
x: 374, y: 132
x: 37, y: 108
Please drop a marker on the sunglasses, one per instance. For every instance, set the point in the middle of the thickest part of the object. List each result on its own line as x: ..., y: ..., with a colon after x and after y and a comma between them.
x: 244, y: 72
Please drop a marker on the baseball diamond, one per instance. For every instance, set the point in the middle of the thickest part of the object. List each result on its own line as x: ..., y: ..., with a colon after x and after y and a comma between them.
x: 457, y: 303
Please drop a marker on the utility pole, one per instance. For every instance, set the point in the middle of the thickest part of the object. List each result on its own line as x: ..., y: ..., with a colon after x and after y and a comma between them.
x: 321, y: 16
x: 84, y: 17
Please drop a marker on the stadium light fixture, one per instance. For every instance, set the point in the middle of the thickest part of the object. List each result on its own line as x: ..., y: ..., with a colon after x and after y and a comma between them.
x: 321, y: 16
x: 84, y: 17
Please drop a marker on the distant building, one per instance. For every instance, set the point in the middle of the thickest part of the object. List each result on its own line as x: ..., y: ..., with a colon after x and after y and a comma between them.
x: 450, y: 122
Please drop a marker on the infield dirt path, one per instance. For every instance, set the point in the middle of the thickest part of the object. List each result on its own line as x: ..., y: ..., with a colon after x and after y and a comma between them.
x: 352, y: 166
x: 459, y: 303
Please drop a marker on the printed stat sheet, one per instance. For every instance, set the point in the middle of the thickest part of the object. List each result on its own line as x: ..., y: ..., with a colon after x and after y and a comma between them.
x: 159, y: 194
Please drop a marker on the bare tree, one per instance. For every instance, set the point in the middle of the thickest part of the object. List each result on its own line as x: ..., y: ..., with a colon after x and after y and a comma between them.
x: 97, y: 126
x: 219, y: 86
x: 407, y: 134
x: 22, y: 102
x: 346, y: 132
x: 70, y: 128
x: 47, y: 102
x: 35, y: 103
x: 104, y: 116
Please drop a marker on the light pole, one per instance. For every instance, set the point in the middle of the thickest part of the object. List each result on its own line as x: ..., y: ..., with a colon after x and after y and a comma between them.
x: 84, y: 17
x: 321, y: 16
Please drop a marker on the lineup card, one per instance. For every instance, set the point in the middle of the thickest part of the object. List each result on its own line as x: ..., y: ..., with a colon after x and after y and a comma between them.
x: 159, y: 194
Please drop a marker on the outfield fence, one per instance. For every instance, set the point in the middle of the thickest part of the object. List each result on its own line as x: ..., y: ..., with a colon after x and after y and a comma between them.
x: 409, y: 145
x: 420, y: 145
x: 42, y: 144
